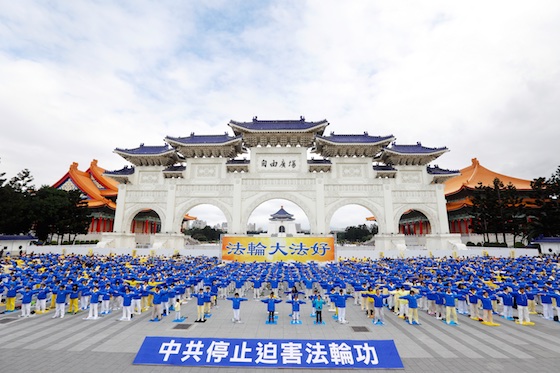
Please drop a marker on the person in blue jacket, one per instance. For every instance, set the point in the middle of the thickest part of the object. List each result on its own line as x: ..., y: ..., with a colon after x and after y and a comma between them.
x: 257, y: 284
x: 271, y: 306
x: 440, y: 304
x: 73, y: 306
x: 462, y: 307
x: 340, y: 303
x: 487, y: 309
x: 546, y: 301
x: 473, y: 299
x: 137, y: 299
x: 127, y: 296
x: 318, y: 303
x: 378, y: 303
x: 556, y: 296
x: 431, y: 296
x: 157, y: 307
x: 84, y: 296
x: 412, y: 298
x: 450, y: 310
x: 11, y: 294
x: 507, y: 301
x: 200, y: 300
x: 165, y: 300
x: 295, y: 308
x: 236, y: 303
x: 60, y: 302
x: 106, y: 299
x: 41, y: 305
x: 26, y: 297
x: 522, y: 301
x: 207, y: 302
x: 94, y: 304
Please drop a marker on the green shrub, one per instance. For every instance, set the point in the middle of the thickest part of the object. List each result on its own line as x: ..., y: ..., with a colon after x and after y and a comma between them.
x: 495, y: 244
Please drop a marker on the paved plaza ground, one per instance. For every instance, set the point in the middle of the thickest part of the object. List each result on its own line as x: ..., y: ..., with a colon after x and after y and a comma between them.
x: 43, y: 344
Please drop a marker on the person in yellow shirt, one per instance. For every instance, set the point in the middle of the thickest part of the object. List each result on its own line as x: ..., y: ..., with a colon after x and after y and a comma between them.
x: 370, y: 312
x: 400, y: 304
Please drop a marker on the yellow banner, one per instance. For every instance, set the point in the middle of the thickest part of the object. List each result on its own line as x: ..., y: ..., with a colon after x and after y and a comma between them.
x: 276, y: 249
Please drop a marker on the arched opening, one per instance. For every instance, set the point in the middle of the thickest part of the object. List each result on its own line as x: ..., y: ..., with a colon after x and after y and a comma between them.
x: 353, y: 224
x: 414, y: 223
x: 204, y: 223
x: 289, y: 218
x: 145, y: 223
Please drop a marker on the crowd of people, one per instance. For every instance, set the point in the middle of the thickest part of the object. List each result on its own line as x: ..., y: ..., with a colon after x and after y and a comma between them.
x: 480, y: 287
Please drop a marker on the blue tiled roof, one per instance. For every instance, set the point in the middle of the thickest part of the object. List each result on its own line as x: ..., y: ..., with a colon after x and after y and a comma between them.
x: 238, y: 161
x: 178, y: 168
x: 414, y: 149
x: 123, y: 171
x: 547, y: 239
x: 203, y: 139
x: 319, y: 161
x: 146, y: 150
x: 17, y: 237
x: 356, y: 139
x: 281, y: 215
x: 384, y: 168
x: 441, y: 171
x: 279, y: 125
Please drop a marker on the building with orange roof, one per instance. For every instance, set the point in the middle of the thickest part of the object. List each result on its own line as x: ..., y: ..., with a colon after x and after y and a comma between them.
x: 458, y: 194
x: 100, y: 192
x: 459, y: 190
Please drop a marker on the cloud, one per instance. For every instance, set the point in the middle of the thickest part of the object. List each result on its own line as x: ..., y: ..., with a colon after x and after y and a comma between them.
x: 82, y: 78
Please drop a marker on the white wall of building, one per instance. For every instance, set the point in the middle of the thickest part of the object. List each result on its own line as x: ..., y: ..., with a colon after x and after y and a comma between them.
x: 342, y: 252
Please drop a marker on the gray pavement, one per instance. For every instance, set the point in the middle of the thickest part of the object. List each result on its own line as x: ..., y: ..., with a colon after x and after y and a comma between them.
x: 43, y: 344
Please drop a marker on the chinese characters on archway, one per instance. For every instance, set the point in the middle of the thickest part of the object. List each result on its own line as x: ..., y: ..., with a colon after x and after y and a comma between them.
x: 278, y: 163
x: 298, y: 249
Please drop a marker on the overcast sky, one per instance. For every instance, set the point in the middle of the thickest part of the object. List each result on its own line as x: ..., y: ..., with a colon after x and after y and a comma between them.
x: 81, y: 78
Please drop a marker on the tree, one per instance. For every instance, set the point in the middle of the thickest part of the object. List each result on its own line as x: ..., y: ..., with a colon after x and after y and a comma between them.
x: 498, y: 209
x: 205, y: 234
x: 15, y: 217
x: 514, y: 217
x: 545, y: 219
x: 483, y: 209
x: 59, y: 212
x: 21, y: 183
x: 74, y: 219
x: 360, y: 233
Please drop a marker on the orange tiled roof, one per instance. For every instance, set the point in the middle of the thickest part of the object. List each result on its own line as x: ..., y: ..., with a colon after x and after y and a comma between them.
x: 475, y: 173
x: 82, y: 180
x: 110, y: 184
x: 96, y: 196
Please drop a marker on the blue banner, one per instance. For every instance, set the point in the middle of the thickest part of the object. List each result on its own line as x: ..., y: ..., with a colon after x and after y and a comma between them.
x: 272, y: 353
